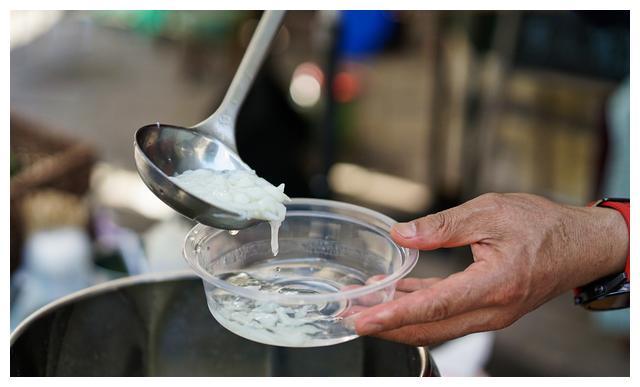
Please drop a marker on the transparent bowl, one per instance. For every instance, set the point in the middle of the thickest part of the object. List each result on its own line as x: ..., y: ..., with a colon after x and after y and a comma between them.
x: 334, y: 260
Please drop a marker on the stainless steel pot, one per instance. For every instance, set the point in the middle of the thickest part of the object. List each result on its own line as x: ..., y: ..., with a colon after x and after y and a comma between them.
x: 159, y: 325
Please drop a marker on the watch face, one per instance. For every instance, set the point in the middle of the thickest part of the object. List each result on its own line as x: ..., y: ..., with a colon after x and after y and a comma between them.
x: 608, y: 293
x: 610, y: 302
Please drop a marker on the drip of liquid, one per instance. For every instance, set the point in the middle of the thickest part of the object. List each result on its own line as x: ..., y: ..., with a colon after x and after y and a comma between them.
x: 275, y: 227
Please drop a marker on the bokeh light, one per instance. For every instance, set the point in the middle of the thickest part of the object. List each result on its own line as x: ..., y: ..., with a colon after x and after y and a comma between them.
x: 306, y: 84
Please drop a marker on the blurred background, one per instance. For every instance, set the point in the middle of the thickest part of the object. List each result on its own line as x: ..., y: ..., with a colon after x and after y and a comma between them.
x: 405, y: 112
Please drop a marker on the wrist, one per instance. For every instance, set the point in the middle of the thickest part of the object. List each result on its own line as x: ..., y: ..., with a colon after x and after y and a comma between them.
x: 612, y: 290
x: 615, y: 238
x: 598, y: 244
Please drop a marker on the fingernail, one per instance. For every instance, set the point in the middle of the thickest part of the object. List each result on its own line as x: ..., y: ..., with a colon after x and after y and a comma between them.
x: 369, y: 328
x: 350, y: 322
x: 383, y: 315
x: 406, y: 230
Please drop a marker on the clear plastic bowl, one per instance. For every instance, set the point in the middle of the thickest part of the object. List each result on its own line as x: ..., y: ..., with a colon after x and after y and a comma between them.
x: 335, y: 259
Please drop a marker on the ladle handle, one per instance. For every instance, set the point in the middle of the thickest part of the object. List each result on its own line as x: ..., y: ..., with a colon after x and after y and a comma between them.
x: 221, y: 124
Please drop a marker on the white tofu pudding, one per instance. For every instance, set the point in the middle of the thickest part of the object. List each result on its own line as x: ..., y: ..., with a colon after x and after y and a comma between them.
x: 239, y: 191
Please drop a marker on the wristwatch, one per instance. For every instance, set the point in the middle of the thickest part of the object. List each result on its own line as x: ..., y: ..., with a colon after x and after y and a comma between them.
x: 613, y: 291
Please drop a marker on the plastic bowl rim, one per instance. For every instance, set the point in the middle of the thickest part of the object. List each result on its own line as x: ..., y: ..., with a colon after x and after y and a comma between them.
x: 409, y: 263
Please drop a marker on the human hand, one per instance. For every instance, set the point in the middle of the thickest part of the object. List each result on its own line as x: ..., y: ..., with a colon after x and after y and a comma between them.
x: 526, y: 251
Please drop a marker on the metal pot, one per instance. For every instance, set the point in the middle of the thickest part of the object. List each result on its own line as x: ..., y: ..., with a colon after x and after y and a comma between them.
x: 159, y: 325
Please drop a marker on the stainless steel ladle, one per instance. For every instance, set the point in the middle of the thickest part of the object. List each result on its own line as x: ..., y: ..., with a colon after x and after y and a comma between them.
x: 163, y: 150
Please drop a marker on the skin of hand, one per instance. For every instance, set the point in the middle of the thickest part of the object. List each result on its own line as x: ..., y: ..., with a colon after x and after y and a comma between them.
x: 526, y: 249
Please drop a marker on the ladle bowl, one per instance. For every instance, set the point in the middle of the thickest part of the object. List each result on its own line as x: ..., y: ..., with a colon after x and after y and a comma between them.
x: 162, y: 151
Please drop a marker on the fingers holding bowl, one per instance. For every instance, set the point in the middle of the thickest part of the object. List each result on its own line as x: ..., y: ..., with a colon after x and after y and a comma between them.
x: 403, y: 288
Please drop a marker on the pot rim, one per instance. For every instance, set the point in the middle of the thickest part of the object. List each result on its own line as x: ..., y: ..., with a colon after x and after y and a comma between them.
x: 99, y: 289
x: 425, y: 359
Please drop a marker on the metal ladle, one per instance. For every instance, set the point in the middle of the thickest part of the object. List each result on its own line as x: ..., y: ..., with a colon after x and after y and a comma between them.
x: 163, y: 150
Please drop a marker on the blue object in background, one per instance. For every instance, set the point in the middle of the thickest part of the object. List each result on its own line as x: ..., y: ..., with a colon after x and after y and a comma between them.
x: 364, y: 33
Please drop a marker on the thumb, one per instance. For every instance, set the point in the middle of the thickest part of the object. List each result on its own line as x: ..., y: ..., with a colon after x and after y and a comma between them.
x: 457, y: 226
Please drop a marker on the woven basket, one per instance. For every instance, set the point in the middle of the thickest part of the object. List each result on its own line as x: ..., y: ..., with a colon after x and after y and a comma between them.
x: 45, y: 160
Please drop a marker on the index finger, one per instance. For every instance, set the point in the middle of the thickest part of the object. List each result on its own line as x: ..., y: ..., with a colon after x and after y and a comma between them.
x: 461, y: 292
x: 458, y: 226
